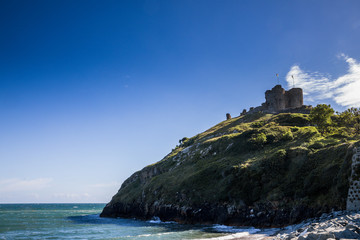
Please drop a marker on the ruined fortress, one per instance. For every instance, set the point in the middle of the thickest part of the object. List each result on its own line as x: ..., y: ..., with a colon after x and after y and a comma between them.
x: 279, y: 100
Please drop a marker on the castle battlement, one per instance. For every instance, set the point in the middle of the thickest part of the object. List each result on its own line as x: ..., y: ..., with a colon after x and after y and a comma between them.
x: 279, y: 100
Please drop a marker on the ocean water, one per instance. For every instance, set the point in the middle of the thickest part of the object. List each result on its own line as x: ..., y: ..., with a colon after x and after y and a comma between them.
x: 82, y: 221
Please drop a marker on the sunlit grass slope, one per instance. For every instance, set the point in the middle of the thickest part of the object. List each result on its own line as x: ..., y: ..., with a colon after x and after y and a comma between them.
x: 256, y: 158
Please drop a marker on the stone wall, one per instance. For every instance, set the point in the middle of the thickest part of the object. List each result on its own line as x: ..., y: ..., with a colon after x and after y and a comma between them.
x: 353, y: 200
x: 294, y: 98
x: 280, y: 101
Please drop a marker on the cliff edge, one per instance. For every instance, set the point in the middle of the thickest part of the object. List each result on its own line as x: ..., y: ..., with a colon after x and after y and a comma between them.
x: 259, y: 169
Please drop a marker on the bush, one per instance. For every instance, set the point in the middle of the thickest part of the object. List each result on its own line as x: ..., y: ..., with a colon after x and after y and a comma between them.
x: 320, y: 116
x: 287, y: 136
x: 258, y: 124
x: 259, y: 139
x: 271, y: 137
x: 292, y: 119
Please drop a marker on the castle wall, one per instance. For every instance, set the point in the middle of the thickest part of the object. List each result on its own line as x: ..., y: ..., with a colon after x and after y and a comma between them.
x: 277, y: 99
x: 280, y: 101
x: 294, y: 98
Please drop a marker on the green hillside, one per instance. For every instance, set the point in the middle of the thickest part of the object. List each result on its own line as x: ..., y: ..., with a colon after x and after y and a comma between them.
x: 241, y: 170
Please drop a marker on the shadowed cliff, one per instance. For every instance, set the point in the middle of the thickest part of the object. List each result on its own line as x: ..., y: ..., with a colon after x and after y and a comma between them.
x: 258, y: 169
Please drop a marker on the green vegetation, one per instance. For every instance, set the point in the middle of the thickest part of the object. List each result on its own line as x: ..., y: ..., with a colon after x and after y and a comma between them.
x: 321, y: 117
x: 341, y: 125
x: 349, y: 120
x: 288, y: 158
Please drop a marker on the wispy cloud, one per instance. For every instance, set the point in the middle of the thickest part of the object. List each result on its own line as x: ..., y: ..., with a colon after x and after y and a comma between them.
x: 344, y: 90
x: 315, y: 85
x: 15, y: 184
x: 347, y: 87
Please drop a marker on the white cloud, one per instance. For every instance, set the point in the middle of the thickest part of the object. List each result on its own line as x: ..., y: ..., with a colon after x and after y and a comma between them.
x: 317, y: 86
x: 347, y: 92
x: 15, y: 184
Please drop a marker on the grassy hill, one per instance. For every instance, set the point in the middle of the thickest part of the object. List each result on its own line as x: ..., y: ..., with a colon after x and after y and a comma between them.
x: 258, y: 169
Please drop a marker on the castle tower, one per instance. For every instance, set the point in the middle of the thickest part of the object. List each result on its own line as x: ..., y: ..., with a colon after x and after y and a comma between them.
x: 275, y: 99
x: 294, y: 98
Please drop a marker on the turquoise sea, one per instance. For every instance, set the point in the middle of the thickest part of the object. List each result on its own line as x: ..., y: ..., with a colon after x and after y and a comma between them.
x: 82, y: 221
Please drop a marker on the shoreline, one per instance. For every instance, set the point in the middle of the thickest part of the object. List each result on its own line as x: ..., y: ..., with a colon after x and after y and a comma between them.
x: 335, y: 225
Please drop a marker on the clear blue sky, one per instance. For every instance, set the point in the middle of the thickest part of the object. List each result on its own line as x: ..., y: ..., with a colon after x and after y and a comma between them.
x: 91, y: 91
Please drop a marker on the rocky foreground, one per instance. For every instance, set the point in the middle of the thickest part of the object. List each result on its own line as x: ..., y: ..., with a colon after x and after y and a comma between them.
x: 335, y: 225
x: 340, y: 225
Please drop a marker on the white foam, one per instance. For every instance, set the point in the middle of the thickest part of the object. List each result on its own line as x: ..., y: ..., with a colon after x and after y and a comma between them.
x: 157, y: 220
x: 229, y: 229
x: 154, y: 234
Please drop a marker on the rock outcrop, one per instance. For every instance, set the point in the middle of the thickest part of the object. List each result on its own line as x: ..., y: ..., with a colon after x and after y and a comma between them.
x: 258, y: 169
x: 336, y: 225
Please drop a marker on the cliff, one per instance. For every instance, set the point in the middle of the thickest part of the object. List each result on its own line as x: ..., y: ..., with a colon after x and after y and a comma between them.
x: 258, y: 169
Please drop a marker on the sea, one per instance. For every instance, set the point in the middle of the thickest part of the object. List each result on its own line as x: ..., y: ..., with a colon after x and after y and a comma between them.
x: 82, y: 221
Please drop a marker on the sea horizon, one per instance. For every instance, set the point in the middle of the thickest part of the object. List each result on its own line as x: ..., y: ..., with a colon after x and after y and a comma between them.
x: 82, y: 220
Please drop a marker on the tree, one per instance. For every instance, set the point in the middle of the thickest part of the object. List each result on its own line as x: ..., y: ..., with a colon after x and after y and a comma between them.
x: 320, y: 116
x: 350, y: 119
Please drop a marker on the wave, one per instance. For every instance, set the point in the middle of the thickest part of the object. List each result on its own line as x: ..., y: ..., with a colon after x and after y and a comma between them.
x: 230, y: 229
x: 154, y: 234
x: 157, y: 220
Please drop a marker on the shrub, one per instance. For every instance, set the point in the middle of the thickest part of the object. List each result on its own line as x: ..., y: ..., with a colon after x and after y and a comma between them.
x: 258, y: 139
x: 320, y: 116
x: 292, y: 119
x: 287, y: 136
x: 258, y: 124
x: 271, y: 137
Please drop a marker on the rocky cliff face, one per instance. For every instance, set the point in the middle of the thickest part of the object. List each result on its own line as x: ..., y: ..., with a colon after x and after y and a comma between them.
x: 259, y: 170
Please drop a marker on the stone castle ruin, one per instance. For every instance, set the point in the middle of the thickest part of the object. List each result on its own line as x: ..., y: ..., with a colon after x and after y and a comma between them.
x: 279, y: 100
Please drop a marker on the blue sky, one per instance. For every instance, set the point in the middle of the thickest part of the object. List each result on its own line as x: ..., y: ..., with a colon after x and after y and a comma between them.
x: 91, y: 91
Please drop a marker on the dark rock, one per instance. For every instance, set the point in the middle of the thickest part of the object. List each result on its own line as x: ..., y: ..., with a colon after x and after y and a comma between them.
x: 263, y: 216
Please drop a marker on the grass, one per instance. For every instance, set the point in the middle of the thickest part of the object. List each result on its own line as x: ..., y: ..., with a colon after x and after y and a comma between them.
x: 250, y: 159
